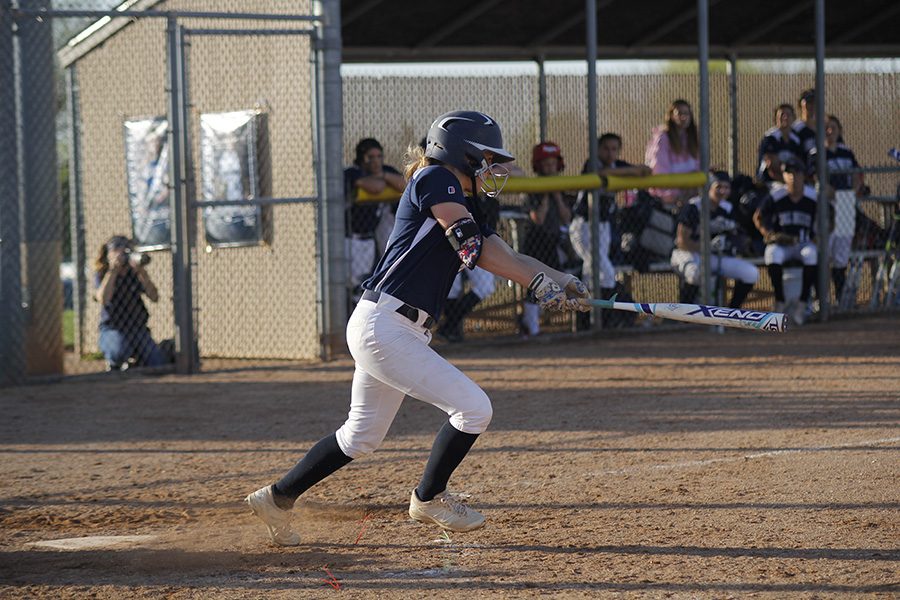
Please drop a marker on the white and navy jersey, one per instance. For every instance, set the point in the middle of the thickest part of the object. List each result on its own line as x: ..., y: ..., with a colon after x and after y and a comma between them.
x: 775, y: 142
x: 780, y: 213
x: 807, y: 137
x: 841, y: 157
x: 607, y: 201
x: 419, y: 264
x: 690, y: 215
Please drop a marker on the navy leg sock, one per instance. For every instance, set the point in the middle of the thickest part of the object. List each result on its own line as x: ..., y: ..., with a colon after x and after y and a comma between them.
x: 450, y: 447
x: 322, y: 460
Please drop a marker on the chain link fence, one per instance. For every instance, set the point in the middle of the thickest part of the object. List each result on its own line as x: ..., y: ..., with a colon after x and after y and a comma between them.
x: 251, y: 166
x: 395, y: 105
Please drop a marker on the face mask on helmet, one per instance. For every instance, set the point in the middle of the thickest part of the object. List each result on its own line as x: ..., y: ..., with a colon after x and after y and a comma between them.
x: 493, y: 178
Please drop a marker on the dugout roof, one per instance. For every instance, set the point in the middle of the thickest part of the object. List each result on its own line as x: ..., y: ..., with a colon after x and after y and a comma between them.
x: 461, y: 30
x: 413, y: 30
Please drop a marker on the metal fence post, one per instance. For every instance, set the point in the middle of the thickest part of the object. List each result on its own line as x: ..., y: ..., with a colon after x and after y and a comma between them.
x: 332, y: 195
x: 185, y: 362
x: 734, y: 134
x: 594, y: 221
x: 824, y: 284
x: 39, y: 194
x: 76, y: 211
x: 703, y: 51
x: 12, y: 326
x: 542, y: 97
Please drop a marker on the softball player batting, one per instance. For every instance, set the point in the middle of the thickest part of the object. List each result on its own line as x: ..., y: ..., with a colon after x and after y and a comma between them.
x: 438, y: 231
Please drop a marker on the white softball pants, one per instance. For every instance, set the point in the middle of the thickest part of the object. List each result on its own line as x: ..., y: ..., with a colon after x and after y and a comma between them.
x: 580, y: 236
x: 393, y: 360
x: 805, y: 252
x: 688, y: 265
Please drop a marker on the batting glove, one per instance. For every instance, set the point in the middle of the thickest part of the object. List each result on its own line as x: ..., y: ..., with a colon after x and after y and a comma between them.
x: 546, y: 293
x: 579, y: 304
x: 575, y: 288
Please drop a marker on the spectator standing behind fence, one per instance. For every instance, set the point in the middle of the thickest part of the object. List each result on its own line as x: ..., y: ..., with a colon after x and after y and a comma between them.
x: 370, y: 174
x: 547, y: 232
x: 609, y: 146
x: 786, y: 218
x: 778, y: 144
x: 120, y: 281
x: 805, y: 126
x: 845, y: 188
x: 726, y: 242
x: 674, y: 148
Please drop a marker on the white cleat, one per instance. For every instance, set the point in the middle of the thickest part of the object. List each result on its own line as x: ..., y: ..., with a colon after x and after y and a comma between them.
x: 446, y: 512
x: 277, y: 520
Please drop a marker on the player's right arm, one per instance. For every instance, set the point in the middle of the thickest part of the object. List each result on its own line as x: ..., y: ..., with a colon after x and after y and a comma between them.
x: 498, y: 258
x: 761, y: 217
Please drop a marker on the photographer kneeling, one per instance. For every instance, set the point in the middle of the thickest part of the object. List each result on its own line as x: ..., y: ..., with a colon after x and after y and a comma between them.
x: 120, y: 281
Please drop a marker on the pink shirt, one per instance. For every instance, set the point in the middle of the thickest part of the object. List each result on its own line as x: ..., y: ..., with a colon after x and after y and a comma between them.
x: 662, y: 159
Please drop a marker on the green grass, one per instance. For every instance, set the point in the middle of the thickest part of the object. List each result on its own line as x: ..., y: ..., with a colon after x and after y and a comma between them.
x: 69, y: 328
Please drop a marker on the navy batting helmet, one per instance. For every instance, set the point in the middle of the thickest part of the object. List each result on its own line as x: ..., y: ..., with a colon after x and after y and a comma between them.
x: 460, y: 138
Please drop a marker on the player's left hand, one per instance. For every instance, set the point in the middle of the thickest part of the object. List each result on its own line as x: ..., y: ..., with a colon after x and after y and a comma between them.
x: 575, y: 288
x: 546, y: 293
x: 579, y: 304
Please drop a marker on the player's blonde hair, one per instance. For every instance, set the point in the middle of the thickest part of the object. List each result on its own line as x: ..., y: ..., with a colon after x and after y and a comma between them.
x: 415, y: 159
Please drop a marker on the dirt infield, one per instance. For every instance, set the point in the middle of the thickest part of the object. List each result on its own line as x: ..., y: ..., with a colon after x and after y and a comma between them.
x: 685, y: 464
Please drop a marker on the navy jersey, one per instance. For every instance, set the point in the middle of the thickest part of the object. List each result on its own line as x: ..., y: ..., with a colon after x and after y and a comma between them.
x: 780, y: 213
x: 807, y: 137
x: 125, y: 310
x: 690, y: 215
x: 419, y: 264
x: 362, y: 217
x: 841, y: 157
x: 607, y: 201
x: 774, y: 142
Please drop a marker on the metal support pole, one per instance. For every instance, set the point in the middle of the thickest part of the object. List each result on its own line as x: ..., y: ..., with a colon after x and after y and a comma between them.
x: 542, y: 98
x: 591, y: 55
x: 39, y: 195
x: 703, y: 58
x: 76, y: 211
x: 12, y: 323
x: 190, y: 190
x: 733, y: 136
x: 824, y: 283
x: 334, y: 267
x: 185, y: 362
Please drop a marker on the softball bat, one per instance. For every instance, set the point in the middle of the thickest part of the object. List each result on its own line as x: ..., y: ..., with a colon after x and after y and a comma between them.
x: 704, y: 315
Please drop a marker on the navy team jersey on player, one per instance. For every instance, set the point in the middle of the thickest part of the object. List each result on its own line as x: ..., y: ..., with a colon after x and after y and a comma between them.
x: 793, y: 218
x: 774, y: 142
x: 607, y: 201
x: 419, y: 265
x: 690, y: 215
x: 807, y: 138
x: 839, y: 158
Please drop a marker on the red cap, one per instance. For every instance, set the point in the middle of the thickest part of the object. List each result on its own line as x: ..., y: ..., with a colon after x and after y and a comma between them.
x: 545, y: 150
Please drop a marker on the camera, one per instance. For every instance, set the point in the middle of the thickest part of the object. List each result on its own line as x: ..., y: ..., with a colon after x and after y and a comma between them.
x: 139, y: 258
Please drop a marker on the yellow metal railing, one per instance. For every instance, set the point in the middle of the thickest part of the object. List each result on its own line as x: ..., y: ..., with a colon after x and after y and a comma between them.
x: 571, y: 183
